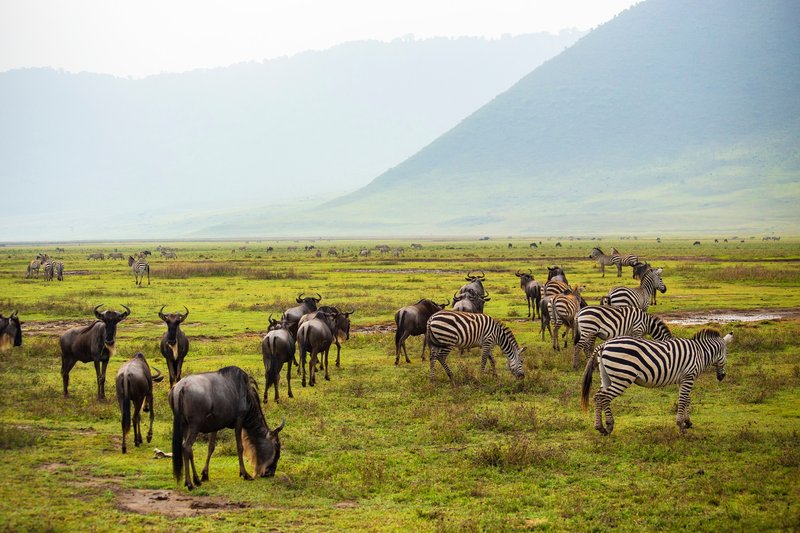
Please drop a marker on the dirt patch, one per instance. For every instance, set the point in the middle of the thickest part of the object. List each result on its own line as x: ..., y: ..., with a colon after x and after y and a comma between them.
x: 377, y: 328
x: 57, y: 327
x: 724, y: 316
x: 172, y: 503
x: 346, y: 504
x: 52, y: 467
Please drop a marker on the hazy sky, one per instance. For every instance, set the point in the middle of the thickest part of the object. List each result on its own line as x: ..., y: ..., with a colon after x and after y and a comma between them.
x: 147, y: 37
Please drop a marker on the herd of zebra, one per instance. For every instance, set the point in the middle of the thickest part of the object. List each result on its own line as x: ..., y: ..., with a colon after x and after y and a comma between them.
x: 54, y: 268
x: 49, y: 267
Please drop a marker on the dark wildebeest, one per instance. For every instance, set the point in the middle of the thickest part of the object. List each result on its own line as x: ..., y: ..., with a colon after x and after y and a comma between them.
x: 93, y: 343
x: 470, y: 302
x: 135, y: 386
x: 209, y: 402
x: 475, y: 284
x: 10, y: 332
x: 174, y: 344
x: 277, y: 348
x: 342, y: 321
x: 411, y: 321
x: 293, y: 315
x: 556, y: 274
x: 533, y: 292
x: 315, y: 335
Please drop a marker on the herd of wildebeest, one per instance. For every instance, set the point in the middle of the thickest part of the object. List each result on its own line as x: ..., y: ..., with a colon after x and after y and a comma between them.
x: 229, y: 398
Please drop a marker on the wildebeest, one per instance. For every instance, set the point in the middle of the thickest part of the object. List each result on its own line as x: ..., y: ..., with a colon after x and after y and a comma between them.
x: 174, y: 344
x: 277, y: 348
x: 10, y: 331
x: 533, y: 292
x: 411, y: 321
x: 95, y: 343
x: 135, y: 386
x: 307, y: 305
x: 364, y: 252
x: 475, y: 284
x: 556, y: 273
x: 470, y: 302
x: 315, y: 336
x: 209, y: 402
x: 96, y: 255
x: 696, y: 243
x: 341, y: 322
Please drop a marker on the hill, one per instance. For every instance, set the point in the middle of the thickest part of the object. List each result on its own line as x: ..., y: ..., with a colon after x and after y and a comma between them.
x: 674, y: 116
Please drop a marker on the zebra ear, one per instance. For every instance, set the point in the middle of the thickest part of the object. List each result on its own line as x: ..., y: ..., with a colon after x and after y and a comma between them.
x: 728, y: 338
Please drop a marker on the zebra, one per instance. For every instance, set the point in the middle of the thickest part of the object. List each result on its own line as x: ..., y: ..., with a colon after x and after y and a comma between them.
x: 33, y: 269
x: 624, y: 260
x: 550, y: 289
x: 639, y: 269
x: 59, y: 268
x: 608, y: 322
x: 563, y: 308
x: 604, y: 260
x: 449, y: 329
x: 639, y: 296
x: 626, y: 360
x: 139, y: 267
x: 48, y: 269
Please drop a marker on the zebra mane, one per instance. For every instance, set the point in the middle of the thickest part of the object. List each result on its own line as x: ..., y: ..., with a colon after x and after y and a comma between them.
x: 706, y: 333
x: 599, y: 250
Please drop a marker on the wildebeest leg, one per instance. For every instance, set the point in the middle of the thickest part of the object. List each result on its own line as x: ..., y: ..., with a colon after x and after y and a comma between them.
x: 240, y: 450
x: 212, y: 443
x: 289, y: 377
x: 277, y: 380
x: 149, y: 402
x: 303, y: 364
x: 137, y: 424
x: 100, y: 385
x: 312, y: 368
x: 528, y: 301
x: 327, y: 377
x: 171, y: 370
x: 66, y: 366
x: 188, y: 459
x: 338, y: 349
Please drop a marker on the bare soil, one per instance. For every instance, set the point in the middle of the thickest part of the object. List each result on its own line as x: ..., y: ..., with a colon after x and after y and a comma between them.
x: 172, y: 503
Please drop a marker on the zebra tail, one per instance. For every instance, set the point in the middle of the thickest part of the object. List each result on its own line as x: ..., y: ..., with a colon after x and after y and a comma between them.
x: 587, y: 383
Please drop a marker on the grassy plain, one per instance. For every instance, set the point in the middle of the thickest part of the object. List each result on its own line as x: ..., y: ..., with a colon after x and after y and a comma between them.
x: 379, y: 447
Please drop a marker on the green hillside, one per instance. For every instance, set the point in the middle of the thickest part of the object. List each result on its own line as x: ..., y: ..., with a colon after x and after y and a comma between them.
x: 675, y: 115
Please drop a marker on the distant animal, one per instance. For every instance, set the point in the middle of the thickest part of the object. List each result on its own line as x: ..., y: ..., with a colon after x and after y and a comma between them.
x: 209, y: 402
x: 10, y: 332
x: 135, y: 386
x: 563, y: 308
x: 332, y: 251
x: 533, y: 292
x: 294, y: 314
x: 270, y: 248
x: 604, y: 260
x: 60, y: 250
x: 291, y: 248
x: 139, y: 268
x: 638, y: 297
x: 59, y: 266
x: 277, y: 347
x: 364, y: 252
x: 558, y: 245
x: 627, y: 360
x: 33, y: 269
x: 116, y: 255
x: 96, y: 256
x: 144, y: 253
x: 510, y: 245
x: 174, y: 344
x: 608, y: 322
x: 450, y: 329
x: 623, y: 259
x: 416, y: 246
x: 696, y: 243
x: 318, y: 253
x: 168, y: 254
x: 412, y: 320
x: 95, y: 343
x: 315, y: 336
x: 533, y: 245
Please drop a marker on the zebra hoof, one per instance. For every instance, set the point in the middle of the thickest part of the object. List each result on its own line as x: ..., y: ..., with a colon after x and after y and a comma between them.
x: 687, y: 424
x: 603, y: 431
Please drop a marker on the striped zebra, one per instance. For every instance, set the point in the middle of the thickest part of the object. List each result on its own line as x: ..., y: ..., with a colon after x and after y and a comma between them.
x: 139, y: 268
x: 604, y: 260
x: 449, y: 329
x: 563, y: 308
x: 626, y: 360
x: 48, y: 269
x: 624, y: 260
x: 550, y: 289
x: 59, y: 268
x: 33, y: 269
x: 639, y: 269
x: 638, y: 296
x: 608, y: 322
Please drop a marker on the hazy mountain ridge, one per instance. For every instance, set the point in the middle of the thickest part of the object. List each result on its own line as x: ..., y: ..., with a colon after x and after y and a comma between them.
x: 314, y: 123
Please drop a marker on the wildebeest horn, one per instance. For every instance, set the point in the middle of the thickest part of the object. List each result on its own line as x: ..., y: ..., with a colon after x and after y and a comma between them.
x: 483, y: 275
x: 518, y: 274
x: 299, y: 298
x: 14, y: 314
x: 485, y: 297
x: 446, y: 303
x: 127, y: 311
x: 161, y: 313
x: 183, y: 317
x: 530, y: 272
x: 469, y: 276
x: 319, y: 297
x: 279, y: 428
x: 95, y: 311
x: 158, y: 377
x: 348, y: 313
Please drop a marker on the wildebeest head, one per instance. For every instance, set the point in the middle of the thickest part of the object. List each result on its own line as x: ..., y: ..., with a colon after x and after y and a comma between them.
x: 278, y: 324
x: 343, y: 323
x: 10, y: 327
x: 264, y: 453
x: 524, y: 278
x: 556, y: 273
x: 310, y: 301
x: 173, y: 321
x: 475, y: 277
x: 111, y: 319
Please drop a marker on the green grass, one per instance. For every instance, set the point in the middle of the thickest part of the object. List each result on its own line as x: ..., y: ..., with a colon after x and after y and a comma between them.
x: 379, y: 447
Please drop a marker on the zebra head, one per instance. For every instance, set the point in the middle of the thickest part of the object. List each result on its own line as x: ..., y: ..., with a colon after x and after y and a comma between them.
x: 659, y: 283
x: 514, y: 362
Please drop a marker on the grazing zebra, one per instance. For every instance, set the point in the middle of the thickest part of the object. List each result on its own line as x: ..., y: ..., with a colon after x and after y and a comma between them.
x: 139, y: 267
x: 59, y: 267
x: 604, y: 260
x: 168, y: 254
x: 624, y: 260
x: 639, y: 296
x: 628, y: 360
x: 608, y: 322
x: 563, y: 308
x: 449, y: 329
x: 33, y: 269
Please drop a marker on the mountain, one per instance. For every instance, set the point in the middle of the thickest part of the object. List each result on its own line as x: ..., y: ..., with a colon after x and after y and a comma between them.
x: 316, y: 124
x: 674, y: 116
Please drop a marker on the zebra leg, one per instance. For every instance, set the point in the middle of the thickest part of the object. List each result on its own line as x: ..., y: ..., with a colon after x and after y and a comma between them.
x: 554, y: 334
x: 683, y: 405
x: 599, y: 399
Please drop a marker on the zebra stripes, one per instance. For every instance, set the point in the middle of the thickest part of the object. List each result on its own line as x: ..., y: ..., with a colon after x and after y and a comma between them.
x: 639, y: 296
x: 550, y: 289
x: 627, y: 360
x: 607, y: 322
x: 139, y: 268
x: 563, y: 308
x: 604, y: 260
x: 624, y: 260
x: 47, y: 267
x: 59, y: 268
x: 449, y: 329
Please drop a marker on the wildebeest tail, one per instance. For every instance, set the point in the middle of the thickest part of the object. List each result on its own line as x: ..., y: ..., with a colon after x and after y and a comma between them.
x: 398, y: 333
x: 587, y: 382
x: 177, y: 436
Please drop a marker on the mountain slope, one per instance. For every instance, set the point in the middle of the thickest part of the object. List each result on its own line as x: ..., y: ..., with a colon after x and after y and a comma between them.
x: 316, y: 123
x: 675, y: 114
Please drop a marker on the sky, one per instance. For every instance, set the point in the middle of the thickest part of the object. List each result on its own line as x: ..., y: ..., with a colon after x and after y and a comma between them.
x: 137, y: 39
